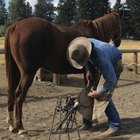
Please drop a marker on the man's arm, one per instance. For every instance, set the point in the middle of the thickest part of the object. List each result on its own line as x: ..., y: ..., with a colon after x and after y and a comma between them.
x: 88, y: 73
x: 106, y: 68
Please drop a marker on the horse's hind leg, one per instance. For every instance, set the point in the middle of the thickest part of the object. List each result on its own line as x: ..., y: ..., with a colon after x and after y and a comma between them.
x: 11, y: 100
x: 21, y: 91
x: 10, y: 110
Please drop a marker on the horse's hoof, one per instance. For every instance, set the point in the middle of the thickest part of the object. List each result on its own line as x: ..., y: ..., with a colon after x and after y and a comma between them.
x: 22, y: 132
x: 11, y: 128
x: 15, y: 130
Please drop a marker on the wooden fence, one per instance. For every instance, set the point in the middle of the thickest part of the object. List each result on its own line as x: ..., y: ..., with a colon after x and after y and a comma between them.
x: 135, y: 52
x: 56, y: 77
x: 1, y: 51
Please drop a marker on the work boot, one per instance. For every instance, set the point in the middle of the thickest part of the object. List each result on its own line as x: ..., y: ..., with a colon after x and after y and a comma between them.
x: 112, y: 131
x: 85, y: 127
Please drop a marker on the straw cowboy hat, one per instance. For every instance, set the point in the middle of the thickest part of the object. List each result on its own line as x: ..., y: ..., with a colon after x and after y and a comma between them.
x: 78, y: 52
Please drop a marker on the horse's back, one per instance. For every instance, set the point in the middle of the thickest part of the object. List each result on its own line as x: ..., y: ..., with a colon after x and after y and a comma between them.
x: 36, y: 42
x: 28, y: 28
x: 27, y: 38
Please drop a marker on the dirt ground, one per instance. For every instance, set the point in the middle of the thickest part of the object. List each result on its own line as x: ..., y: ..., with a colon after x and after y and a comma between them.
x: 41, y: 100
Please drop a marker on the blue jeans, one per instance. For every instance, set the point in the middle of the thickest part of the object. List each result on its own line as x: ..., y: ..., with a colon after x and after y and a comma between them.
x: 113, y: 115
x: 111, y: 112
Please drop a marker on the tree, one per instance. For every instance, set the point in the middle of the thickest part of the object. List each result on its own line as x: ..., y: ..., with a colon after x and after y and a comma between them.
x: 101, y: 8
x: 18, y: 9
x: 28, y: 10
x: 118, y: 6
x: 45, y: 9
x: 3, y: 13
x: 92, y: 9
x: 134, y: 7
x: 66, y: 12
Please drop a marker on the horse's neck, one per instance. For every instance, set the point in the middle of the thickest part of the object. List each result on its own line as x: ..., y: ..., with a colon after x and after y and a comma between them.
x: 106, y: 27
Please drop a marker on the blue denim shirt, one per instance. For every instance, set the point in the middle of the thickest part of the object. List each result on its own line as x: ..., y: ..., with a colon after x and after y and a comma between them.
x: 104, y: 57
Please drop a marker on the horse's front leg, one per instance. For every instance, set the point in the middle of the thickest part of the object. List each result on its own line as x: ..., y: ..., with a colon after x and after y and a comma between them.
x: 21, y: 92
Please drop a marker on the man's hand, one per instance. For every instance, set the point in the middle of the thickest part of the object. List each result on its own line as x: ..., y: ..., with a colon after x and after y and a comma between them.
x: 94, y: 93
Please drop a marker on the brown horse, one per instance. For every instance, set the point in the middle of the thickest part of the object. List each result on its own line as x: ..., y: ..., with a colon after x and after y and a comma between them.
x: 33, y: 43
x: 106, y: 28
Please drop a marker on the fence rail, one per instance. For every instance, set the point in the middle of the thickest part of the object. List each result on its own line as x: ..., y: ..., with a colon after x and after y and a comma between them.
x: 56, y: 77
x: 136, y: 65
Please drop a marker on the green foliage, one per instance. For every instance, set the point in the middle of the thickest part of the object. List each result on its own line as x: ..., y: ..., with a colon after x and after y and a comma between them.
x: 70, y: 11
x: 28, y: 10
x: 84, y: 11
x: 118, y: 6
x: 2, y: 30
x: 18, y: 9
x: 3, y: 13
x: 101, y: 8
x: 133, y: 8
x: 45, y: 9
x: 92, y: 9
x: 66, y: 12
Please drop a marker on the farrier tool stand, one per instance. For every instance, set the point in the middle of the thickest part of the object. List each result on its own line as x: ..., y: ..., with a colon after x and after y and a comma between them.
x: 64, y: 117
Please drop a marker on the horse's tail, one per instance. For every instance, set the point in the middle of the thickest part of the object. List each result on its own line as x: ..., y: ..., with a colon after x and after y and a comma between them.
x: 12, y: 71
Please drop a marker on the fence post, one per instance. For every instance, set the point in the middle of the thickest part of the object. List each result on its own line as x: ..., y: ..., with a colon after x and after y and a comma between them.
x: 135, y: 62
x: 56, y: 79
x: 1, y: 51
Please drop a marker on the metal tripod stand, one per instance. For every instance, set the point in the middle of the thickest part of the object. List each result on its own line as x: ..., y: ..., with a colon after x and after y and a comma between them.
x: 65, y: 114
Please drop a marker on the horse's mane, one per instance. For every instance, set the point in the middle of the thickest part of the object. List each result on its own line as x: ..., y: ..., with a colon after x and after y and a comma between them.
x: 107, y: 24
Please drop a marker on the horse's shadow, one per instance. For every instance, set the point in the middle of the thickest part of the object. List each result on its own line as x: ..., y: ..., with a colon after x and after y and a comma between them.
x: 130, y: 126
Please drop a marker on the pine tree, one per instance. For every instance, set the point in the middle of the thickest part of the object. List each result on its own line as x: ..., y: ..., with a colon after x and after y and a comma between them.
x: 3, y: 13
x: 18, y: 10
x: 82, y: 10
x: 28, y: 10
x: 60, y: 11
x: 101, y: 8
x: 92, y: 9
x: 45, y: 9
x: 118, y: 6
x: 134, y: 8
x: 66, y: 12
